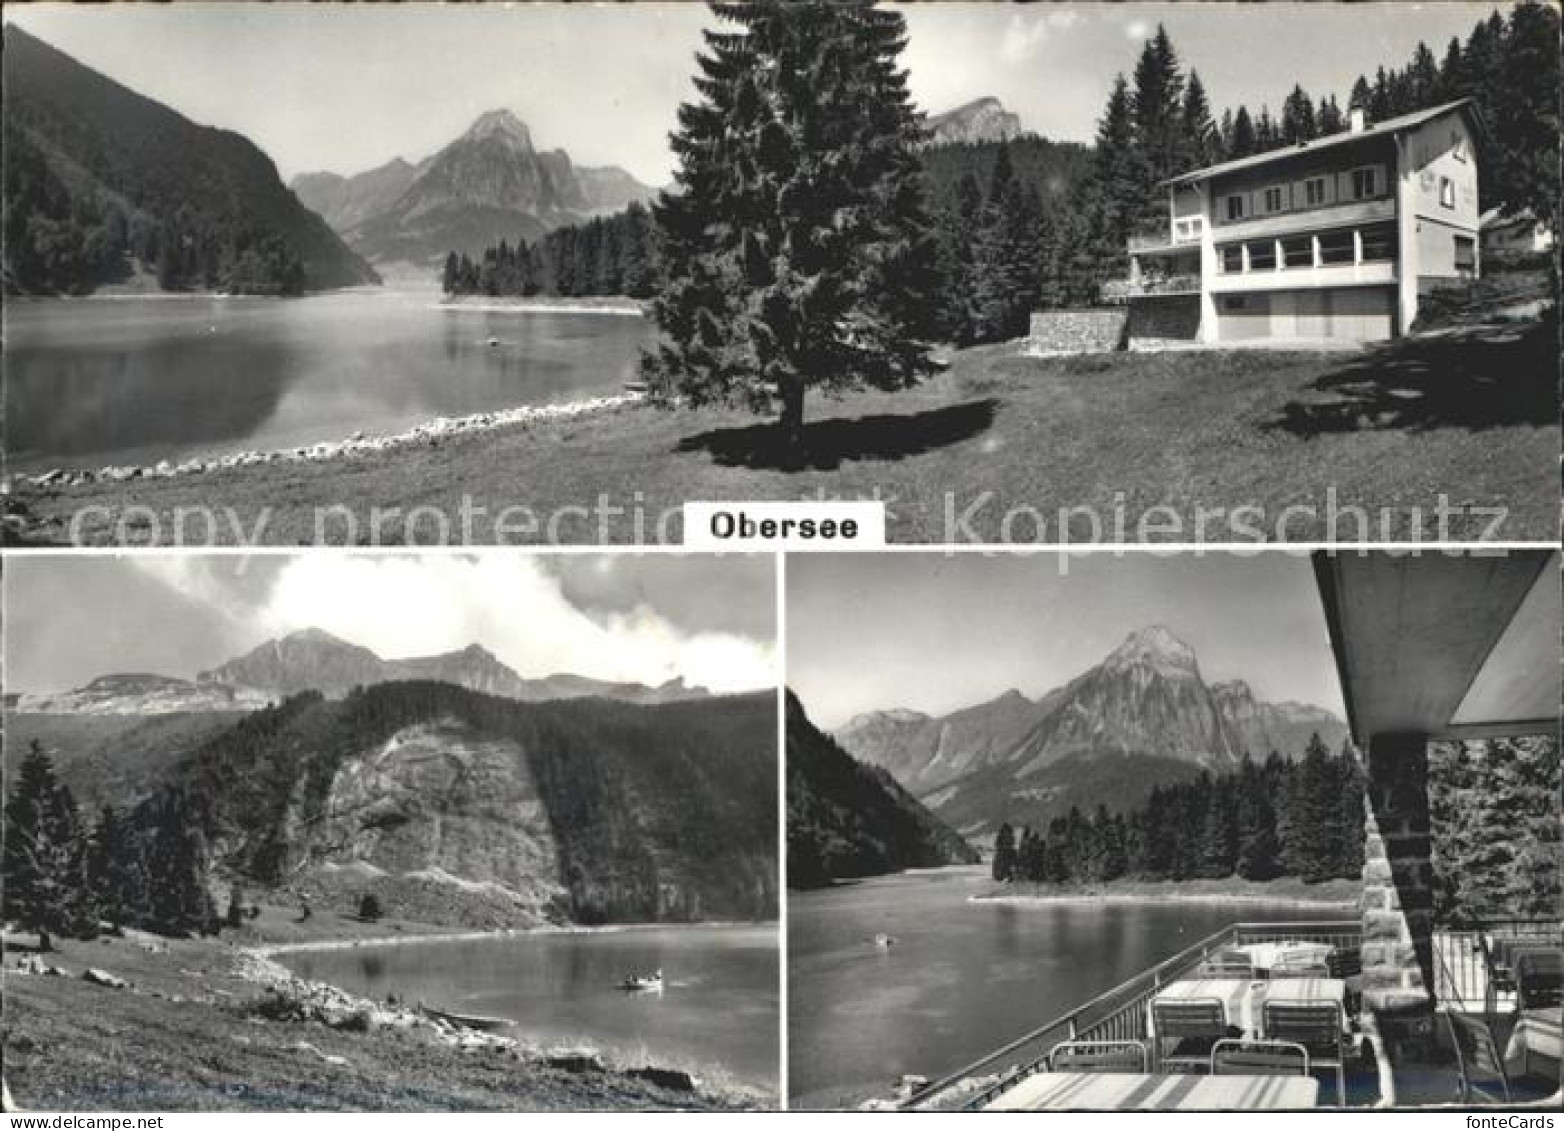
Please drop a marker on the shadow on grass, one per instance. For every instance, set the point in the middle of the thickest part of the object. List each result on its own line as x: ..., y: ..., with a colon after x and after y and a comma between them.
x: 1485, y: 377
x: 830, y: 443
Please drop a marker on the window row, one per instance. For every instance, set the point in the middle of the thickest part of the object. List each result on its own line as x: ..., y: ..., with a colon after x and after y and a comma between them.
x: 1367, y: 182
x: 1340, y: 247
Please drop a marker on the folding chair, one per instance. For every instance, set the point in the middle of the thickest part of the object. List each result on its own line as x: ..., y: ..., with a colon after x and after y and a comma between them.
x: 1300, y: 966
x: 1539, y: 978
x: 1192, y: 1026
x: 1317, y: 1026
x: 1099, y: 1056
x: 1237, y: 1057
x: 1478, y: 1060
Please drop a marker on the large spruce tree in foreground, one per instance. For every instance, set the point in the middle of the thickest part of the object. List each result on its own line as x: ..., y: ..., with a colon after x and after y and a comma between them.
x: 797, y: 251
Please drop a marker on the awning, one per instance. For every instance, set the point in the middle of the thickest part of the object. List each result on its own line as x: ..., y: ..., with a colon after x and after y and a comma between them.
x: 1463, y: 646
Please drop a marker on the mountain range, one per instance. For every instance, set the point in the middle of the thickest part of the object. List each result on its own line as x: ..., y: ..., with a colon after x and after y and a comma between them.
x: 315, y: 660
x: 981, y: 120
x: 1145, y: 704
x: 99, y: 178
x: 847, y: 819
x: 490, y: 184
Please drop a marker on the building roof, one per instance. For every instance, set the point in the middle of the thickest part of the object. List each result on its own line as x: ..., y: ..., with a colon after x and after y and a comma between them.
x: 1444, y: 646
x: 1388, y: 128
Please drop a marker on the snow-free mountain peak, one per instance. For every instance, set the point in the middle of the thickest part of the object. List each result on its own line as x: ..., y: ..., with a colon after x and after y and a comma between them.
x: 1155, y: 646
x: 501, y: 124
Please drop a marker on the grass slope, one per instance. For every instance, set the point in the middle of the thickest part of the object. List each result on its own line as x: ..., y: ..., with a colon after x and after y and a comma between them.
x: 1471, y: 415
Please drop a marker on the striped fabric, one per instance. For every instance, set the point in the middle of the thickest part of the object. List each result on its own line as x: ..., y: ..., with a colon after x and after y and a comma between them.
x: 1055, y: 1091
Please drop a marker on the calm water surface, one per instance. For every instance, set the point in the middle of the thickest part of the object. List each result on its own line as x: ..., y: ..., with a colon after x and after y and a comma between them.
x: 719, y: 1008
x: 963, y: 978
x: 137, y: 380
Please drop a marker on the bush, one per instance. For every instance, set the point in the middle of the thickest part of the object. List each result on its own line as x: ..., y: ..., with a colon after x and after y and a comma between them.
x: 369, y: 908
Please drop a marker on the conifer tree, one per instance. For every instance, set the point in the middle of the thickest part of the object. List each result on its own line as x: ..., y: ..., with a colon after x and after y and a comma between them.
x: 114, y: 870
x: 44, y: 868
x: 1004, y: 854
x: 797, y: 250
x: 1244, y: 143
x: 1298, y: 123
x: 1201, y: 141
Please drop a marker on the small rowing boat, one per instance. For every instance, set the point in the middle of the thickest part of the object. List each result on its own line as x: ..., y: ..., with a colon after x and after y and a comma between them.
x: 642, y: 983
x: 466, y: 1020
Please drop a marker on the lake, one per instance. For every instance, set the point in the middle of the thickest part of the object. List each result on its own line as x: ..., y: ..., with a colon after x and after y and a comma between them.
x: 718, y: 1010
x: 136, y: 380
x: 963, y: 978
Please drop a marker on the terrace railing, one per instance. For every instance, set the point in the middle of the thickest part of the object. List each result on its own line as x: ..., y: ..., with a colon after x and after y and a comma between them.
x: 1118, y: 290
x: 1118, y: 1015
x: 1472, y: 971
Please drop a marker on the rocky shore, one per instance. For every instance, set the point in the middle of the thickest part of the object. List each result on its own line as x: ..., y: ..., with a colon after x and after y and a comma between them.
x: 358, y: 444
x: 151, y: 1024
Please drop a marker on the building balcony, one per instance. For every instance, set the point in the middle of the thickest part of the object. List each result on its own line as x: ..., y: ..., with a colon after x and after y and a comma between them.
x: 1305, y: 220
x: 1379, y: 273
x: 1122, y: 290
x: 1162, y: 244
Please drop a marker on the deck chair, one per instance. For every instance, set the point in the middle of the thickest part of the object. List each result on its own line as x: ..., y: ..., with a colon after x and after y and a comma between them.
x: 1478, y: 1060
x: 1346, y: 964
x: 1099, y: 1056
x: 1299, y: 966
x: 1191, y: 1027
x: 1317, y: 1026
x: 1539, y: 978
x: 1236, y: 1057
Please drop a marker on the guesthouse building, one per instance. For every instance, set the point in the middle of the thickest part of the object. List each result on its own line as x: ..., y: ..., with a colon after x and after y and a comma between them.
x: 1335, y: 238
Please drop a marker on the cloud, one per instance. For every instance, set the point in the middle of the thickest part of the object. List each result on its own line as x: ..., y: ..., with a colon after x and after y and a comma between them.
x: 1023, y: 35
x: 512, y: 605
x: 1137, y: 29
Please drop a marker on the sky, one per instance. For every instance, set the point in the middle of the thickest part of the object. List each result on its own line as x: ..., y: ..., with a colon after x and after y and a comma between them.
x: 935, y: 632
x: 646, y: 618
x: 345, y: 88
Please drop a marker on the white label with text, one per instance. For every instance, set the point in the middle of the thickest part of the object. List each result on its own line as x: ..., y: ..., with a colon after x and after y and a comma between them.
x: 806, y: 525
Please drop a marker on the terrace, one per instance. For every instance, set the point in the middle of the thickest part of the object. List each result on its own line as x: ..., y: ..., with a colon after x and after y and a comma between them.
x: 1386, y: 1010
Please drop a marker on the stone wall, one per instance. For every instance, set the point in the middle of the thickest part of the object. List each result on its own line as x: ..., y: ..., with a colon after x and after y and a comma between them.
x: 1078, y: 331
x: 1165, y: 318
x: 1398, y: 889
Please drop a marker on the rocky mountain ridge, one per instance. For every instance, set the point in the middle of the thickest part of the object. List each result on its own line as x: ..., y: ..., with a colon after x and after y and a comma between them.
x: 982, y: 119
x: 489, y: 184
x: 314, y: 660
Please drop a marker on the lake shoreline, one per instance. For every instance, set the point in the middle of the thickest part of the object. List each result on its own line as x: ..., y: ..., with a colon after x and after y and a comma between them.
x: 1333, y: 894
x: 270, y: 950
x: 360, y: 443
x: 273, y: 1040
x: 542, y: 304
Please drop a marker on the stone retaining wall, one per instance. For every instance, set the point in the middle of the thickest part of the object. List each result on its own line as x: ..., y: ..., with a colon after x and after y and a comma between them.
x: 1174, y: 318
x: 1078, y: 331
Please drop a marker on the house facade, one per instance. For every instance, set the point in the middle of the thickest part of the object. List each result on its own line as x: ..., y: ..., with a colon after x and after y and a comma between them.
x: 1331, y: 239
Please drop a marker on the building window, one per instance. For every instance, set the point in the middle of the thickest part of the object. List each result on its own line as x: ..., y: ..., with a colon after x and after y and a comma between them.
x: 1232, y: 259
x: 1273, y: 199
x: 1235, y: 208
x: 1336, y: 248
x: 1466, y: 255
x: 1233, y: 302
x: 1188, y: 228
x: 1314, y: 192
x: 1365, y: 182
x: 1298, y: 252
x: 1262, y: 255
x: 1446, y: 192
x: 1379, y: 243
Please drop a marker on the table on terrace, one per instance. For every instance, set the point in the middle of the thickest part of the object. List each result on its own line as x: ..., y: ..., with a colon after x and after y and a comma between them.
x: 1136, y: 1091
x: 1243, y: 1001
x: 1266, y: 955
x: 1538, y: 1033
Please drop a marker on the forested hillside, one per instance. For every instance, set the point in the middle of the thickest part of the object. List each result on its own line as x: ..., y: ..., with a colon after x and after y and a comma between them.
x: 847, y: 819
x: 1271, y: 819
x: 588, y: 811
x: 101, y: 182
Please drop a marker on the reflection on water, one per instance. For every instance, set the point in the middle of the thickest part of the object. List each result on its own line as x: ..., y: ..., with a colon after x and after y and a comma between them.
x: 963, y: 978
x: 91, y: 383
x: 719, y: 1008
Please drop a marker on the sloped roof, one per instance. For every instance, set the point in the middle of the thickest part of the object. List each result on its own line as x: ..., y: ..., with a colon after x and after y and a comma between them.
x: 1388, y: 128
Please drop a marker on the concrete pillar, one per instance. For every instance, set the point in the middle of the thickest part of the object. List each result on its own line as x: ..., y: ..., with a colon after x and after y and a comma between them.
x: 1398, y: 890
x: 1407, y: 267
